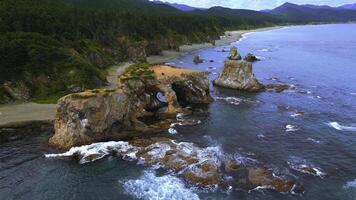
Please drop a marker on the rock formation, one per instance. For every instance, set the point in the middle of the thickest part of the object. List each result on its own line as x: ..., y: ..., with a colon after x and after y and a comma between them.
x: 99, y: 115
x: 234, y: 54
x: 237, y: 74
x: 197, y: 60
x: 203, y: 167
x: 250, y: 58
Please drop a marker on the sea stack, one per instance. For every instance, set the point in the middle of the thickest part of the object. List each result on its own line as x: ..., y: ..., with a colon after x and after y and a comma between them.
x: 237, y: 74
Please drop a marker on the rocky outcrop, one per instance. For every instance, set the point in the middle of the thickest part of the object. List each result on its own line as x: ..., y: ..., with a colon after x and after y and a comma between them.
x: 234, y: 54
x: 16, y: 90
x: 197, y: 60
x: 132, y: 108
x: 250, y: 58
x: 237, y: 74
x: 204, y: 167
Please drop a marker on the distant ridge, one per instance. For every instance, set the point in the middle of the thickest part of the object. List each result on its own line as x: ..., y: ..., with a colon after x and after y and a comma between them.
x: 349, y: 6
x: 181, y: 7
x: 314, y: 12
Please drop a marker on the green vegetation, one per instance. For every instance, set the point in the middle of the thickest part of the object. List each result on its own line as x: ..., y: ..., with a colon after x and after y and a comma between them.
x: 64, y: 46
x: 138, y: 71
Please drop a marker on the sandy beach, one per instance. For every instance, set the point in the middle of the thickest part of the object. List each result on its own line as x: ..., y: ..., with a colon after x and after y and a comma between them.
x: 17, y: 113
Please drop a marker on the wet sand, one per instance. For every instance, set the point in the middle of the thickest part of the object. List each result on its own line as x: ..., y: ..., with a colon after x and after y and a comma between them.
x: 16, y: 113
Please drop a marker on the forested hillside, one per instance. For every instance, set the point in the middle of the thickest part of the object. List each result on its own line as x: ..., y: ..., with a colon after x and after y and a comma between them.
x: 52, y: 47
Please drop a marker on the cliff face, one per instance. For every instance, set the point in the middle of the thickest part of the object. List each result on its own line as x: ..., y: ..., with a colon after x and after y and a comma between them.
x: 134, y: 107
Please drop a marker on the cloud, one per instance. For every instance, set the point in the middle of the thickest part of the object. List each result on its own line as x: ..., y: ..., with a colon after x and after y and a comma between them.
x: 256, y: 4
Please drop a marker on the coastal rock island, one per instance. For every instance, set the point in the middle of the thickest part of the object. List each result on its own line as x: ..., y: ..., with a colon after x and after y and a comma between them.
x: 134, y: 107
x: 237, y: 74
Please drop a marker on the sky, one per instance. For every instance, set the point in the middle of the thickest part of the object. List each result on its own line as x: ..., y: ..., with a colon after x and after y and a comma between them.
x: 256, y: 4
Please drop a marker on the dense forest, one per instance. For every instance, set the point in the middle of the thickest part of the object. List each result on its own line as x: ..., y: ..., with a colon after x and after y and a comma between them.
x: 49, y: 48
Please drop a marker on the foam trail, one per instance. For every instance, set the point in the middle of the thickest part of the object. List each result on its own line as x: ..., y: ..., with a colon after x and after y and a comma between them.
x: 150, y: 186
x: 350, y: 185
x: 172, y: 131
x: 340, y: 127
x: 291, y: 128
x: 96, y: 151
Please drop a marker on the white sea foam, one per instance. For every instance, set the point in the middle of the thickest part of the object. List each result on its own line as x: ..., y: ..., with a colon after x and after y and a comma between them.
x: 235, y: 100
x: 340, y: 127
x: 265, y: 50
x: 291, y: 128
x: 305, y: 166
x: 350, y: 185
x: 172, y: 131
x: 261, y: 58
x: 297, y: 114
x: 314, y: 140
x: 261, y: 188
x: 152, y: 187
x: 260, y: 136
x: 96, y: 151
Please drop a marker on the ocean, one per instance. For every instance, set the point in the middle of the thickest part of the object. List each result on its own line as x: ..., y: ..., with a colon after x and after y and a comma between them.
x: 312, y: 125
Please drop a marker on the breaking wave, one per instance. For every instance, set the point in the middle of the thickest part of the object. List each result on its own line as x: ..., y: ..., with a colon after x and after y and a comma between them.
x: 96, y: 151
x: 291, y: 128
x: 150, y: 186
x: 350, y: 185
x: 305, y: 166
x: 236, y: 100
x: 340, y: 127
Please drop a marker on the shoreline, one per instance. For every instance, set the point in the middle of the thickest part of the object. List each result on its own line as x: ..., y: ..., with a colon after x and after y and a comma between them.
x: 228, y: 38
x: 27, y: 112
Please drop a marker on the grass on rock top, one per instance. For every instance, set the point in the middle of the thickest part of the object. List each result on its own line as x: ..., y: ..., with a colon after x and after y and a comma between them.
x: 93, y: 93
x: 137, y: 72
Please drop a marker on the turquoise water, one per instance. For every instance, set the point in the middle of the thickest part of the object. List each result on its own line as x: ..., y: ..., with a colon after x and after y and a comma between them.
x: 313, y: 125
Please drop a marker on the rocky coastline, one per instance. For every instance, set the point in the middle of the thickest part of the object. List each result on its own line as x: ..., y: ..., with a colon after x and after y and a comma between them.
x: 134, y: 107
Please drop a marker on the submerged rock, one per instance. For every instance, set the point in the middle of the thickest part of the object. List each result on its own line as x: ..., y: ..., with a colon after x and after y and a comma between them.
x: 250, y: 58
x: 234, y: 54
x: 197, y: 60
x: 261, y: 177
x: 205, y: 167
x: 133, y: 108
x: 238, y: 75
x: 278, y: 87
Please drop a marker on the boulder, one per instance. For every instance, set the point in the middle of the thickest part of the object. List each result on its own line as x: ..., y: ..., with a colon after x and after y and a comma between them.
x: 261, y: 177
x: 234, y: 54
x: 197, y: 60
x: 16, y: 90
x: 250, y: 58
x: 278, y: 87
x: 237, y: 74
x: 131, y: 109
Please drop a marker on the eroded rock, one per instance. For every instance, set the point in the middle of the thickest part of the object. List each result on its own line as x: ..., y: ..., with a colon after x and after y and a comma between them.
x: 250, y: 58
x: 131, y: 109
x: 261, y: 177
x: 204, y: 167
x: 197, y: 60
x: 238, y: 75
x: 234, y: 54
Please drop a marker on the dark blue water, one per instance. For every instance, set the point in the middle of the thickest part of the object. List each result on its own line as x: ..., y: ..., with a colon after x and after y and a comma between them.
x: 320, y: 61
